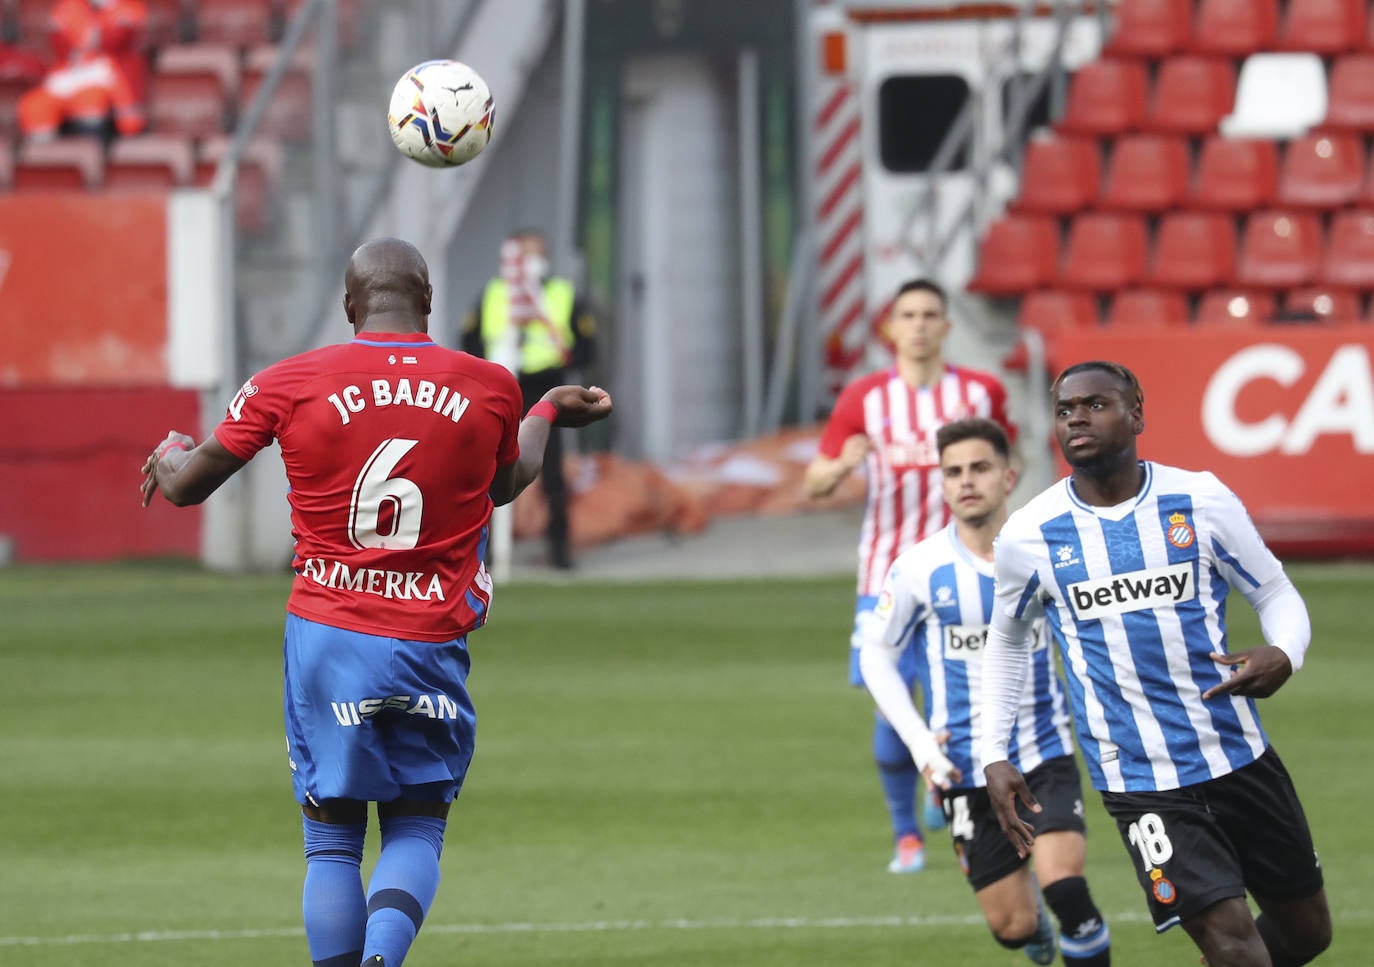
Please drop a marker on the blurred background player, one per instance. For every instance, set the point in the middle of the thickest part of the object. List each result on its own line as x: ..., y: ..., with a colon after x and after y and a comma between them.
x: 98, y: 76
x: 1132, y: 562
x: 533, y: 323
x: 396, y: 450
x: 886, y: 422
x: 936, y: 603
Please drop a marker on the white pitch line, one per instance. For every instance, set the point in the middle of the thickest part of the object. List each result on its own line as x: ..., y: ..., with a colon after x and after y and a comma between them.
x: 591, y: 926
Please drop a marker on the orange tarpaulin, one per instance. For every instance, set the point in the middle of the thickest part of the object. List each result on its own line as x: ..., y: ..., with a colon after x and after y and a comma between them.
x: 613, y: 497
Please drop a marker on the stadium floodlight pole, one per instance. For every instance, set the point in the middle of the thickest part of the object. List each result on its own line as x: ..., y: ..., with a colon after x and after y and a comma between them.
x: 503, y: 525
x: 809, y: 358
x: 569, y: 167
x: 751, y: 240
x: 325, y: 141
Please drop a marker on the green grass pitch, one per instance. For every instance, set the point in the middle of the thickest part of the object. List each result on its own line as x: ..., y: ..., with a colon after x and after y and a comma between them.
x: 666, y: 774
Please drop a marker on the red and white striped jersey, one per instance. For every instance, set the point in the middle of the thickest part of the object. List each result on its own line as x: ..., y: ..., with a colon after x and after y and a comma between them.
x: 905, y: 503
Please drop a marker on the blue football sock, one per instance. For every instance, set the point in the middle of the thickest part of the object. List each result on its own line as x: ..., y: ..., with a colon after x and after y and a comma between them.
x: 898, y: 775
x: 403, y: 885
x: 332, y: 900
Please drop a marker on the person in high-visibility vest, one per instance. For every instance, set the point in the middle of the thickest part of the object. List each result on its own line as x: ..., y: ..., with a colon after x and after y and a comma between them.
x: 534, y: 324
x: 99, y: 72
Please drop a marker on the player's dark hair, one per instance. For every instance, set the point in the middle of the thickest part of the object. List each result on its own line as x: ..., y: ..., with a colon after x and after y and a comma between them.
x: 923, y: 285
x: 975, y: 428
x: 1134, y: 394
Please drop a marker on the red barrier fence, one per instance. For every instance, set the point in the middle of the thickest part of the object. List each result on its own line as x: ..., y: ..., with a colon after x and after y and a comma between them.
x: 69, y: 473
x: 83, y: 289
x: 1284, y: 416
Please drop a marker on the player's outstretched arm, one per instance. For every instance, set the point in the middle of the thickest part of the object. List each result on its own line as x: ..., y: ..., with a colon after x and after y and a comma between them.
x: 579, y: 405
x: 573, y: 406
x: 884, y: 681
x: 185, y: 473
x: 823, y: 474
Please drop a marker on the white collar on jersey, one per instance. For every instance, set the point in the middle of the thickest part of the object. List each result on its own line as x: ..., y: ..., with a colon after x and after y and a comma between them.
x: 1116, y: 511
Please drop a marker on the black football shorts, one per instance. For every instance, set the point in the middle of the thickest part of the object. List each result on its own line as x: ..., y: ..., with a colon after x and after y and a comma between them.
x: 983, y: 849
x: 1195, y: 846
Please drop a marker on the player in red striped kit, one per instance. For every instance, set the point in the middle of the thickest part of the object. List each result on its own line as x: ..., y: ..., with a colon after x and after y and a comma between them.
x: 396, y: 450
x: 886, y: 422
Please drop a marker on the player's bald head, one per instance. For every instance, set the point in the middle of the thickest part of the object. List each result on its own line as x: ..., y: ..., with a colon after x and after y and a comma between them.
x: 382, y: 264
x: 387, y: 275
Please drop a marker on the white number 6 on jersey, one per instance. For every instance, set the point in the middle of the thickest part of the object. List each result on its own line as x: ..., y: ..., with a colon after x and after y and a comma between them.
x: 376, y: 493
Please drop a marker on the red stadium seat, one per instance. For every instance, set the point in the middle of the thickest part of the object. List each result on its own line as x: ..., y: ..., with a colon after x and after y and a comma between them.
x: 1151, y: 28
x: 258, y: 174
x: 1147, y: 173
x: 1349, y: 260
x: 1322, y: 171
x: 288, y: 111
x: 150, y: 162
x: 1327, y: 304
x: 192, y: 89
x: 11, y: 90
x: 1019, y: 253
x: 1106, y: 251
x: 1350, y: 94
x: 1051, y: 311
x: 30, y: 18
x: 1280, y: 250
x: 67, y: 164
x: 1194, y: 250
x: 1324, y: 26
x: 1191, y: 95
x: 165, y: 23
x: 1059, y: 175
x: 1148, y: 309
x: 1231, y: 307
x: 1106, y: 97
x: 1236, y: 175
x: 237, y: 23
x: 1235, y: 28
x: 18, y: 64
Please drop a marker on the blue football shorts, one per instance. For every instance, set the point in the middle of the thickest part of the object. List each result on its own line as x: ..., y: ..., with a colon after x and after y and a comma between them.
x: 906, y: 662
x: 375, y: 718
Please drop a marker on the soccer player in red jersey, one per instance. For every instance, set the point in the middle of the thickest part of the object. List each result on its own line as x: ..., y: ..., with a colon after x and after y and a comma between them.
x: 396, y: 451
x: 886, y: 421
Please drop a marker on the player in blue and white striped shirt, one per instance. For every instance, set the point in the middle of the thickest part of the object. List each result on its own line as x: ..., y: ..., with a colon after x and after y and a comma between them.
x: 1131, y: 563
x: 935, y: 601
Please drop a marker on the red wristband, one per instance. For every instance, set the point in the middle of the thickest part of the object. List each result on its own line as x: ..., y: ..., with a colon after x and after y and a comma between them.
x: 545, y: 409
x: 168, y: 446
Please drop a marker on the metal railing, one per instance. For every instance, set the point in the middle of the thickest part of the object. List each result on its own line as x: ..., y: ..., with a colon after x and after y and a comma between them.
x: 962, y: 138
x: 322, y: 16
x: 333, y: 232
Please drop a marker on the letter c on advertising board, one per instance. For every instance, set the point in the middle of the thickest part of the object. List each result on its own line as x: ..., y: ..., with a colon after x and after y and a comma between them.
x: 1341, y: 402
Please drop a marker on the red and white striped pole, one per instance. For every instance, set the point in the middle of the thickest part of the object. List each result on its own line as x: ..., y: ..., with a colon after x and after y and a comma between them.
x: 837, y: 170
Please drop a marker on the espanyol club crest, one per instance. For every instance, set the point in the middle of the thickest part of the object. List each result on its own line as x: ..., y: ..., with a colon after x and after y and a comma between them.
x: 1179, y: 533
x: 1162, y: 888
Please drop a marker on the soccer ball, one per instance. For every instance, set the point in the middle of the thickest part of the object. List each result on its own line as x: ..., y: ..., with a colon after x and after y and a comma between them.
x: 441, y: 113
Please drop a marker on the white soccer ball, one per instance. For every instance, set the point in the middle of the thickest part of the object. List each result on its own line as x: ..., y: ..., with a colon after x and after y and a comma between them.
x: 441, y: 113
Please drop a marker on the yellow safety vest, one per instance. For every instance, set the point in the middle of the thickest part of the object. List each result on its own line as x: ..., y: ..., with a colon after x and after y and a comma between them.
x: 539, y: 349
